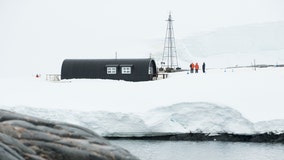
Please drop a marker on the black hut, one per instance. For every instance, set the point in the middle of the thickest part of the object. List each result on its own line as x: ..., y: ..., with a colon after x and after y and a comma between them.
x: 117, y: 69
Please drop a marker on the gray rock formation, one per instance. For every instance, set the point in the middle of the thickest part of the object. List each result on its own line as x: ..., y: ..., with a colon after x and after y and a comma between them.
x: 24, y: 137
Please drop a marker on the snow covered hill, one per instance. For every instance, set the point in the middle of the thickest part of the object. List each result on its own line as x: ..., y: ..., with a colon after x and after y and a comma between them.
x: 231, y: 46
x: 248, y: 39
x: 198, y: 117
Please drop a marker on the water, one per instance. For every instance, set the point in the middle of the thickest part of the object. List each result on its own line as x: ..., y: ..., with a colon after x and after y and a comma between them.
x: 187, y: 150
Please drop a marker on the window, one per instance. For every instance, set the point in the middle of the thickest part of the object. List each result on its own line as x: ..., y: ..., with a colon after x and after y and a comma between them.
x: 125, y: 70
x: 111, y: 70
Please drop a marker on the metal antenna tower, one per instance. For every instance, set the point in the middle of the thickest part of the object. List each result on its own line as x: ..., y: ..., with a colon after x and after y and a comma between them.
x: 170, y: 60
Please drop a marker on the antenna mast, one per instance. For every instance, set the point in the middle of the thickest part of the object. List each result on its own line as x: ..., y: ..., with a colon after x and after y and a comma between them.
x: 170, y: 60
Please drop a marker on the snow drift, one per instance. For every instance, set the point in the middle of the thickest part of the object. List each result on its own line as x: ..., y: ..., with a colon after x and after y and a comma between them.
x: 198, y: 117
x: 186, y: 102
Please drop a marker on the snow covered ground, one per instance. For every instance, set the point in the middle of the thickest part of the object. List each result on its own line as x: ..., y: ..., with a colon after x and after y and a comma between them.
x: 232, y: 100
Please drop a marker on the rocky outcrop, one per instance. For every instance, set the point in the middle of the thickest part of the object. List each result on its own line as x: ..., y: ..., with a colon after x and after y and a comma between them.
x: 24, y: 137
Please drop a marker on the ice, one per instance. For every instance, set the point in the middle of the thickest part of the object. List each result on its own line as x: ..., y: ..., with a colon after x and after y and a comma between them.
x: 198, y: 117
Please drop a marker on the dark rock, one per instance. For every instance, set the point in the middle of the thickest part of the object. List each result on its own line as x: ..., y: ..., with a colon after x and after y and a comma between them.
x: 226, y: 137
x: 24, y: 137
x: 8, y: 154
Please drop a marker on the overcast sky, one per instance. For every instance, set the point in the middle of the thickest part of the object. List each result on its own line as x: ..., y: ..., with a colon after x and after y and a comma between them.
x: 36, y: 35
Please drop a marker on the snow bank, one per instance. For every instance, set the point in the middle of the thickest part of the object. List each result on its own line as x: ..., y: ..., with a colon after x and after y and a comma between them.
x: 132, y: 107
x: 197, y: 117
x: 178, y: 118
x: 275, y: 126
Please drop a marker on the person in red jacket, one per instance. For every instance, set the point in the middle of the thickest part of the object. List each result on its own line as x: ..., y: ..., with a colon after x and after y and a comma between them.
x: 196, y: 67
x: 191, y: 68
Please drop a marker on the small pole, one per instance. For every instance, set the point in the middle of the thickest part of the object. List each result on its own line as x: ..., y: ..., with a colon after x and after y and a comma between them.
x: 254, y: 64
x: 116, y: 55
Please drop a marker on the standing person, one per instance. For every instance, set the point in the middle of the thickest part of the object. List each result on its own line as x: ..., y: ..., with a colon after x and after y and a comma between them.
x: 203, y: 67
x: 191, y: 68
x: 196, y: 67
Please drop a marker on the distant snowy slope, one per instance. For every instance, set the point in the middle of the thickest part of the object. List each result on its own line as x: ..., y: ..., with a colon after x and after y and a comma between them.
x: 240, y: 39
x: 238, y: 45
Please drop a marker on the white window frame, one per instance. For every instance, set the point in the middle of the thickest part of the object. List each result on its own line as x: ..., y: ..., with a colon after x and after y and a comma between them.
x: 125, y: 70
x: 111, y: 70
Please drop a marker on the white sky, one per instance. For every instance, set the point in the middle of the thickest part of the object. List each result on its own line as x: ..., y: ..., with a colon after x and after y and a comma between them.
x: 36, y: 35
